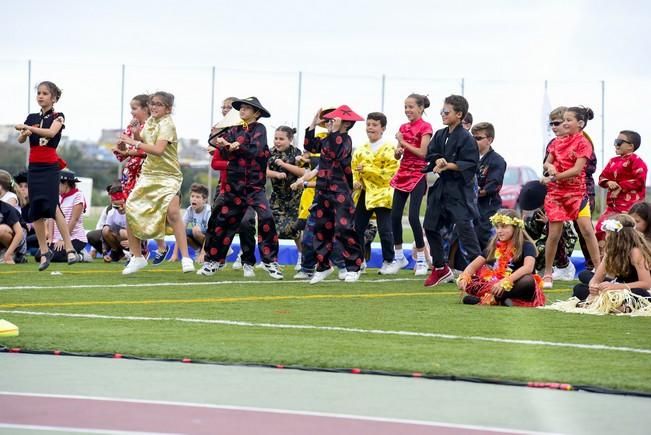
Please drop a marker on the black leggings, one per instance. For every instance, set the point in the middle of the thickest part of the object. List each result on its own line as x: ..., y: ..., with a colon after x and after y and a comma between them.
x: 524, y: 288
x: 415, y: 200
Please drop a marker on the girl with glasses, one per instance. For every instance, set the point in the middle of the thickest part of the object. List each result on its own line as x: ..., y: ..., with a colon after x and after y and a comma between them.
x: 154, y: 202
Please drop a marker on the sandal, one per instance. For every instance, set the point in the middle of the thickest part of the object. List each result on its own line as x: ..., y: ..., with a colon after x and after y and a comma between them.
x: 48, y: 258
x: 548, y: 281
x: 73, y: 257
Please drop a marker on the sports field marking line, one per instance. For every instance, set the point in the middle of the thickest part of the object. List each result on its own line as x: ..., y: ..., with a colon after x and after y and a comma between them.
x: 337, y: 329
x: 223, y: 299
x: 192, y: 284
x: 278, y: 411
x: 231, y: 299
x: 67, y: 429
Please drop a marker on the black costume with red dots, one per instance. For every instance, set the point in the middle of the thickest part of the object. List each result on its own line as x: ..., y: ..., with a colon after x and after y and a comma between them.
x: 333, y: 202
x: 245, y: 187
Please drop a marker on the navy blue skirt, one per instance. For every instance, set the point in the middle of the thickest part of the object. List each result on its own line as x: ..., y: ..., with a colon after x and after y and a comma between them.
x: 43, y: 185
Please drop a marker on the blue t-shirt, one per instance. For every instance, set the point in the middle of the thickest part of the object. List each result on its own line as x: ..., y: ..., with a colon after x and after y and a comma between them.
x: 193, y: 218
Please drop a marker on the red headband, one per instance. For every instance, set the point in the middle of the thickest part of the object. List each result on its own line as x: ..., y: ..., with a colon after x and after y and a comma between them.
x: 118, y: 196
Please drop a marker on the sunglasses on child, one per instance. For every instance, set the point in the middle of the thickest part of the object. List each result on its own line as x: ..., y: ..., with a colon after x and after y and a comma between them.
x: 555, y: 123
x: 445, y: 112
x: 619, y: 142
x: 478, y: 138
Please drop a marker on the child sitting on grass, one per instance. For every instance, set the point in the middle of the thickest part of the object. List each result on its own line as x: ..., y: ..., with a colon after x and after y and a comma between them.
x: 622, y: 280
x: 195, y: 219
x: 505, y: 276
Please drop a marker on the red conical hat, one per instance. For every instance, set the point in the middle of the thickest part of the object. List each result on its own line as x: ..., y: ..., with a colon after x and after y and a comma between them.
x: 345, y: 113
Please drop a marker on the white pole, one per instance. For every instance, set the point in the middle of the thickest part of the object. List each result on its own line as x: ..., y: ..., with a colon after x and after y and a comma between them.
x: 212, y: 121
x: 119, y: 174
x: 29, y: 103
x: 384, y: 81
x: 298, y: 110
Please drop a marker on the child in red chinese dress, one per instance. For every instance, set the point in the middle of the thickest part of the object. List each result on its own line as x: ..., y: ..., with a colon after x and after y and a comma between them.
x: 567, y: 197
x: 625, y: 178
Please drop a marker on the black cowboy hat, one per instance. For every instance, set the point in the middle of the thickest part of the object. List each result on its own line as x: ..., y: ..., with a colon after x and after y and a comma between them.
x: 69, y: 176
x: 253, y: 102
x: 21, y: 177
x: 532, y: 195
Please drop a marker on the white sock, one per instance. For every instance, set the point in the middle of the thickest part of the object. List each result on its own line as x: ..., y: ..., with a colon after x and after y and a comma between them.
x: 420, y: 257
x: 399, y: 254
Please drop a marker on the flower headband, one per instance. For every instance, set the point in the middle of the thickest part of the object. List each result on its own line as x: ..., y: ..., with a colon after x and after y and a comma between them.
x: 612, y: 225
x: 506, y: 220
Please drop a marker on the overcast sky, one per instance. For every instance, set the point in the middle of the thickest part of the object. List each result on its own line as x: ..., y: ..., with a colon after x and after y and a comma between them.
x: 503, y: 49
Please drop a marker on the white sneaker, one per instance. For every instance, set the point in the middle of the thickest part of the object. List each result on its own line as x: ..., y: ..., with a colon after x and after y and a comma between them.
x: 209, y: 268
x: 352, y: 276
x: 342, y: 274
x: 565, y: 273
x: 420, y: 269
x: 389, y: 268
x: 320, y: 276
x: 86, y: 257
x: 362, y: 268
x: 249, y: 271
x: 187, y: 265
x: 304, y: 275
x: 237, y: 264
x: 548, y: 283
x: 299, y: 260
x: 135, y: 264
x: 402, y: 262
x: 273, y: 269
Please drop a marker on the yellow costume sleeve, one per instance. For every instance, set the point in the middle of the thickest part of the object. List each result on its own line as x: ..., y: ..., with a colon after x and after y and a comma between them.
x: 167, y: 130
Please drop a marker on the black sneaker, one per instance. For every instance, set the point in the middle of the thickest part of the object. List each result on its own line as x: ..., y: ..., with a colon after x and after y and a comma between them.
x: 160, y: 256
x: 471, y: 300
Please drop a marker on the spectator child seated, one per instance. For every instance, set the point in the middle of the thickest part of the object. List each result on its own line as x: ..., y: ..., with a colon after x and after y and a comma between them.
x: 622, y: 280
x: 504, y: 274
x: 641, y: 214
x: 73, y: 205
x: 12, y: 236
x: 196, y: 220
x: 114, y: 231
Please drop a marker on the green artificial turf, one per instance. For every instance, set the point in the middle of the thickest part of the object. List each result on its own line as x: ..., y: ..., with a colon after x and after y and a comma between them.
x: 369, y: 304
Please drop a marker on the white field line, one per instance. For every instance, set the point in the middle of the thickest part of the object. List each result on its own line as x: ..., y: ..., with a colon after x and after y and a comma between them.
x: 31, y: 427
x: 279, y: 411
x: 190, y: 284
x: 338, y: 329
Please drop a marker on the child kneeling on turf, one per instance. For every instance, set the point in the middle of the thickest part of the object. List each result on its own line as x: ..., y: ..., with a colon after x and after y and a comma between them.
x: 505, y: 275
x: 196, y: 218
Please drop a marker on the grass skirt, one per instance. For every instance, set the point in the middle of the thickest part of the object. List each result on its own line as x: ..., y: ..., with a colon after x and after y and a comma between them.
x: 609, y: 302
